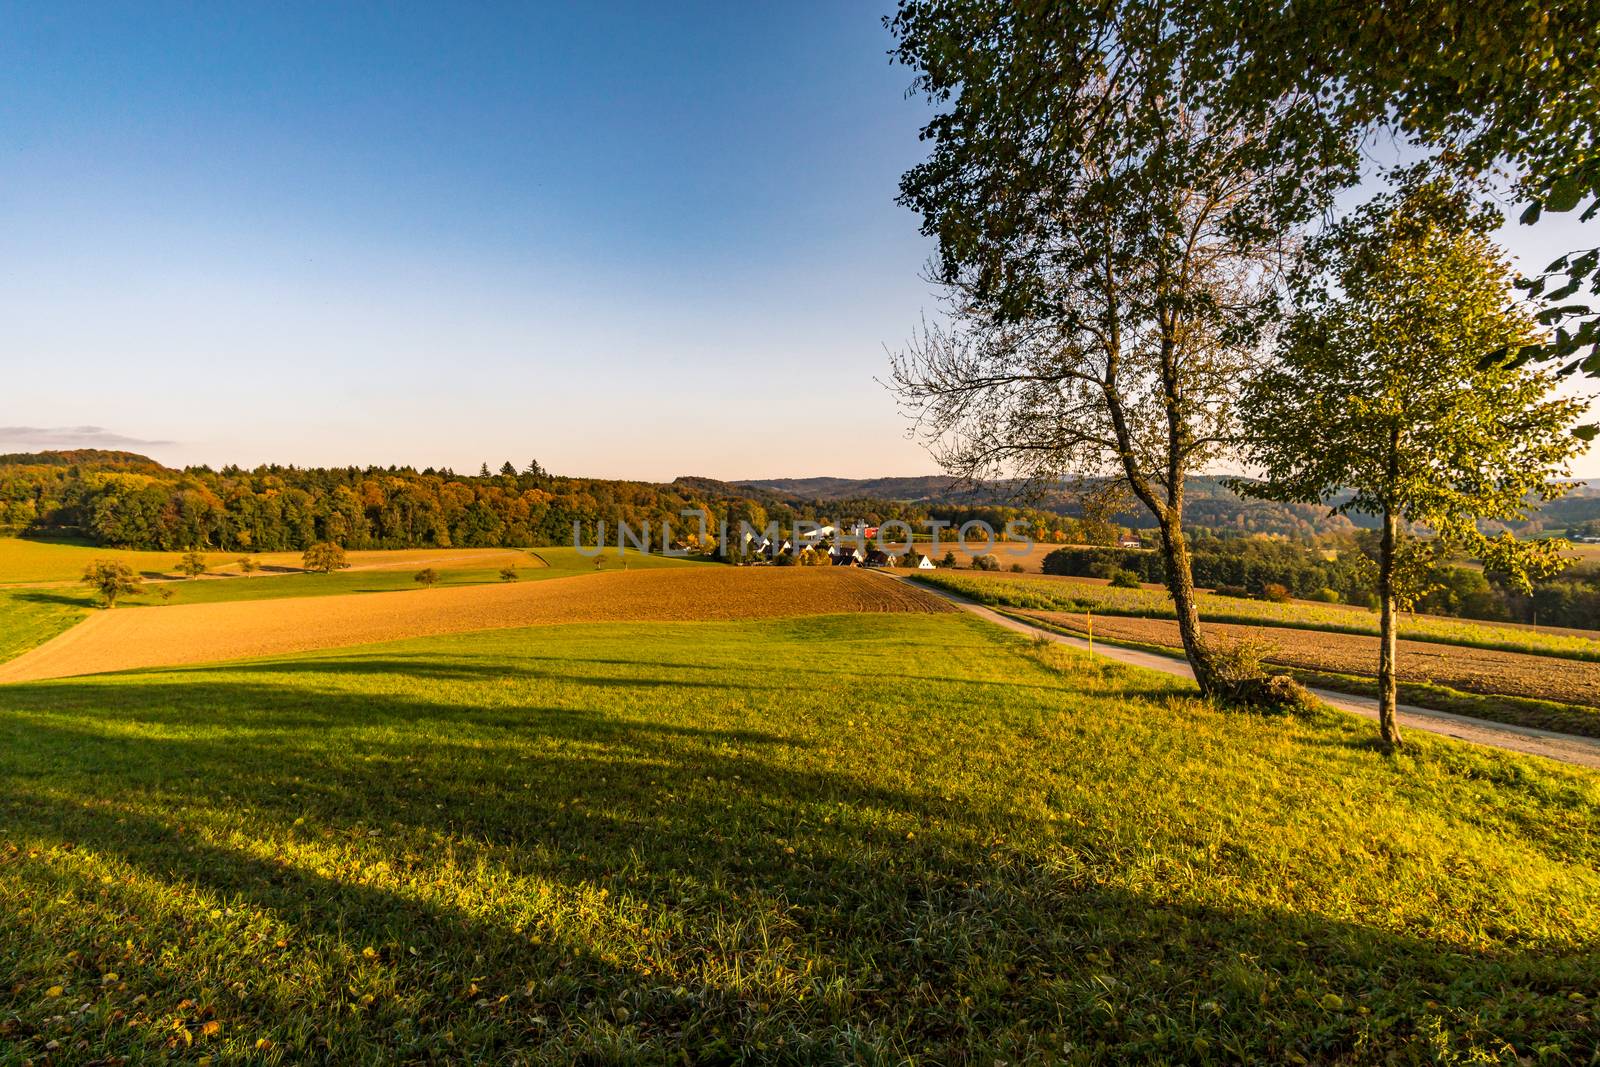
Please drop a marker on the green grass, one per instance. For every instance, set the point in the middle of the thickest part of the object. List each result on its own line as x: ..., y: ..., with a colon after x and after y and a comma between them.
x: 31, y: 616
x: 26, y: 560
x: 1059, y: 594
x: 879, y: 840
x: 562, y: 563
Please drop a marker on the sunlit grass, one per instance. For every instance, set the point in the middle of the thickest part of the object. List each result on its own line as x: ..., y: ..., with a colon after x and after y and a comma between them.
x: 1057, y: 594
x: 31, y: 615
x: 888, y: 839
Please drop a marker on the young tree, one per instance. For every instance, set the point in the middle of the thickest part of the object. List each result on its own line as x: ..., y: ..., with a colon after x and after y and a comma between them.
x: 192, y: 564
x: 247, y: 565
x: 1380, y: 388
x: 1110, y: 247
x: 508, y: 574
x: 426, y: 577
x: 111, y: 579
x: 324, y: 557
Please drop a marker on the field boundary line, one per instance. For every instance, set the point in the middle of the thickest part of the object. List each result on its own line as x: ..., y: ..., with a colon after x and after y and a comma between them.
x: 1529, y: 740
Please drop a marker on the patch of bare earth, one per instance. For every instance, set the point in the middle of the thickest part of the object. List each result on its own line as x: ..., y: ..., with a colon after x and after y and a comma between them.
x: 129, y: 638
x: 1471, y: 670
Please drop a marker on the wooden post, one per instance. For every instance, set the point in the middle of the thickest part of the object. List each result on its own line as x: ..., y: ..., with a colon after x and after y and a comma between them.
x: 1088, y: 619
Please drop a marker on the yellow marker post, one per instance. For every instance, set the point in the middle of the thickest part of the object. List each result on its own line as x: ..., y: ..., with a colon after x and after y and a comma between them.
x: 1088, y: 620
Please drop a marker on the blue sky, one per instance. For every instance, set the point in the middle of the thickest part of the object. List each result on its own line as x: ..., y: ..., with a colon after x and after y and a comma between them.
x: 628, y: 240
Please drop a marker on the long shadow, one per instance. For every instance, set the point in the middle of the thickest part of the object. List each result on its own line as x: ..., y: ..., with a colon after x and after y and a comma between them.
x: 782, y: 914
x: 39, y: 596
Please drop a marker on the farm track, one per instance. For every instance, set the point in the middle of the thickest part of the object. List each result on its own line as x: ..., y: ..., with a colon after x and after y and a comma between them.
x: 1463, y: 667
x: 205, y: 633
x: 1566, y: 748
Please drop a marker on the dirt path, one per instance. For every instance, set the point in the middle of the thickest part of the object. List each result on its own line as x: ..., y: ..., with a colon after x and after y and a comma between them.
x: 207, y: 633
x: 1473, y: 670
x: 1567, y: 748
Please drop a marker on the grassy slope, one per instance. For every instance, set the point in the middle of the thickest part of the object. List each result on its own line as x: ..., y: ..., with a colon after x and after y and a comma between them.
x: 1064, y: 594
x: 31, y: 616
x: 884, y: 840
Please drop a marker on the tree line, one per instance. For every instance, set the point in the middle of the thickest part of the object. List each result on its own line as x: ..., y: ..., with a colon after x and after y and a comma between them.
x: 127, y: 501
x: 1344, y: 570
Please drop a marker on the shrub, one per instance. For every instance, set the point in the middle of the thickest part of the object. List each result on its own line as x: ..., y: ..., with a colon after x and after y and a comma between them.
x: 785, y: 559
x: 1017, y: 568
x: 949, y: 560
x: 986, y: 562
x: 193, y: 564
x: 1242, y: 679
x: 1275, y: 592
x: 427, y: 576
x: 1326, y: 596
x: 1123, y: 579
x: 1238, y: 591
x: 508, y: 574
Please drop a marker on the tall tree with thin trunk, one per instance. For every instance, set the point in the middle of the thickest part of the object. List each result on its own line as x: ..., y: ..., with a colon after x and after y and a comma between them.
x: 1381, y: 398
x: 1110, y: 248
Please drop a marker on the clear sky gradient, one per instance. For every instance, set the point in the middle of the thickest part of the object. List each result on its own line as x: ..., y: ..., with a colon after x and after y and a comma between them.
x: 627, y: 240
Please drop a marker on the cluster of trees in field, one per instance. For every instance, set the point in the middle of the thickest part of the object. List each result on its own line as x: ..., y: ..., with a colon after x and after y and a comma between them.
x: 1148, y: 268
x: 130, y: 501
x: 1344, y: 571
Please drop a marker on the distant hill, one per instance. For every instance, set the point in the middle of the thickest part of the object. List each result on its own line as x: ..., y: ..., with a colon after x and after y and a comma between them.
x: 1209, y: 503
x: 99, y: 458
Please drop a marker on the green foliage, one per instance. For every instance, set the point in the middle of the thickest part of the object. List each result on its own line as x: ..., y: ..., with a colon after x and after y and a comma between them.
x: 985, y: 561
x: 1380, y: 389
x: 192, y: 564
x: 324, y: 557
x: 111, y: 579
x: 508, y: 574
x: 1506, y: 83
x: 1121, y: 579
x: 686, y: 853
x: 427, y: 577
x: 247, y: 565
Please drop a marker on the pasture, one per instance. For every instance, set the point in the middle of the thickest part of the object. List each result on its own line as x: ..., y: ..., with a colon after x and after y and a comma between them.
x: 33, y: 612
x: 205, y: 633
x: 668, y: 841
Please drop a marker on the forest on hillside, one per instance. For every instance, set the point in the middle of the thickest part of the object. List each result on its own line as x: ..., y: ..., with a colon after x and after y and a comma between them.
x: 126, y: 500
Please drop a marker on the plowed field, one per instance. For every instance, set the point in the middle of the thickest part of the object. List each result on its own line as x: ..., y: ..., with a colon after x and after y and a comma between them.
x: 202, y: 633
x: 1472, y: 670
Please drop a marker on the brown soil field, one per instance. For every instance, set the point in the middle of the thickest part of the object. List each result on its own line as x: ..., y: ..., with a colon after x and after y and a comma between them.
x: 1471, y: 670
x: 205, y: 633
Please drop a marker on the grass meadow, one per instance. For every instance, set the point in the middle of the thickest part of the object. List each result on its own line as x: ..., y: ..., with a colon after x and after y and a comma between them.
x: 889, y: 839
x: 32, y: 614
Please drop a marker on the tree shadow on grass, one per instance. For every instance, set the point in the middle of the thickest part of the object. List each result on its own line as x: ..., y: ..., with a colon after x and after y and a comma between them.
x: 40, y: 596
x: 755, y: 893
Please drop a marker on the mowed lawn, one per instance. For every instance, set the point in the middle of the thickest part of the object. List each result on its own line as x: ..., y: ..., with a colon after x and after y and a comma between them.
x: 886, y: 839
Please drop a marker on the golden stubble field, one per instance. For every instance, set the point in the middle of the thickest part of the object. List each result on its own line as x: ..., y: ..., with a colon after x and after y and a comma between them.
x: 127, y: 639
